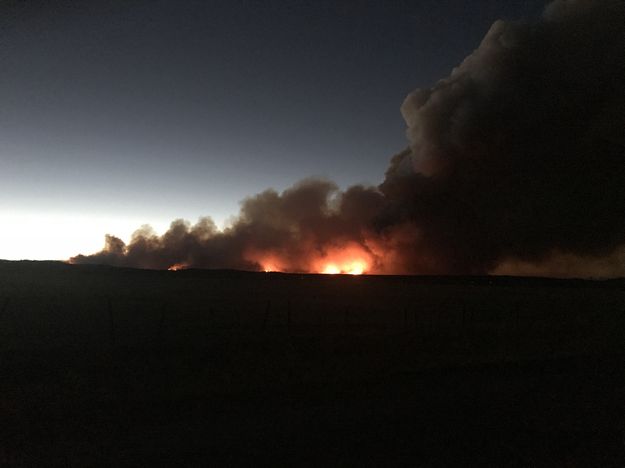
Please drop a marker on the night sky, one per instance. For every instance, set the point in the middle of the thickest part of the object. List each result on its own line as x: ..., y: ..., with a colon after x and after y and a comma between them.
x: 116, y: 114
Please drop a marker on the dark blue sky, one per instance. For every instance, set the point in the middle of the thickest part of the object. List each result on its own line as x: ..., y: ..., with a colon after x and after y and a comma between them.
x: 116, y: 114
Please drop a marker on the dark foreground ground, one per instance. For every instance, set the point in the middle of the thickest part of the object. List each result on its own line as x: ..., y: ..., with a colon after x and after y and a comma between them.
x: 108, y: 367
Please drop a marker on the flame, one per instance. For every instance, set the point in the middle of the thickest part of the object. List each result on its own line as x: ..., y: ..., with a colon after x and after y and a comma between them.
x: 331, y: 270
x: 349, y: 258
x: 177, y: 267
x: 269, y: 262
x: 355, y: 267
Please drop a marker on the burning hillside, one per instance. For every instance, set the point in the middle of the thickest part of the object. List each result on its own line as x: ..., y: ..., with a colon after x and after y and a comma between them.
x: 516, y: 158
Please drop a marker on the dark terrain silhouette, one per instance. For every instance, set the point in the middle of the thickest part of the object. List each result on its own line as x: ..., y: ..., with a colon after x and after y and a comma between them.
x: 118, y: 367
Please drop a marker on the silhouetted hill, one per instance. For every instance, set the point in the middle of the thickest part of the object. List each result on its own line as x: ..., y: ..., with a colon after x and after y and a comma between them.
x: 36, y: 266
x: 107, y: 366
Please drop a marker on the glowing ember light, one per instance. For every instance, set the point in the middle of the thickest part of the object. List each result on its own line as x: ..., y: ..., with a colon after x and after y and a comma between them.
x: 267, y: 262
x: 331, y: 270
x: 177, y: 267
x: 347, y: 258
x: 356, y: 268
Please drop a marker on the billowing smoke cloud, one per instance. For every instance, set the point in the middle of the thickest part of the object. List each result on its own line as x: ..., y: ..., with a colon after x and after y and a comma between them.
x: 308, y: 227
x: 520, y: 151
x: 516, y: 159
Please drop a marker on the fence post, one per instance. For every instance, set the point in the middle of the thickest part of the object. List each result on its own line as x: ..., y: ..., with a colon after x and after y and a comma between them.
x: 463, y: 323
x: 266, y: 317
x: 109, y: 308
x: 288, y: 315
x: 5, y: 305
x: 161, y: 324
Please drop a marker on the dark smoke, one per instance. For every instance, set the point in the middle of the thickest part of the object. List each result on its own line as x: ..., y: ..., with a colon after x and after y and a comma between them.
x: 520, y: 151
x: 310, y: 220
x: 516, y: 164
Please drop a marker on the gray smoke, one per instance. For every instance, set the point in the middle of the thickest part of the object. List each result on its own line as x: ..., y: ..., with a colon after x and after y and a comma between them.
x: 520, y: 151
x: 516, y: 159
x: 304, y: 225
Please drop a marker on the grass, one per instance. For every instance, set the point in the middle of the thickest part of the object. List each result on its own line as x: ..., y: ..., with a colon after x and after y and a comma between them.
x: 115, y: 367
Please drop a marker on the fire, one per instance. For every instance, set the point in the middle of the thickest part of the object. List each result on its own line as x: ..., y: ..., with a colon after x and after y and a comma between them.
x: 269, y: 262
x: 348, y: 258
x: 356, y: 267
x: 177, y: 267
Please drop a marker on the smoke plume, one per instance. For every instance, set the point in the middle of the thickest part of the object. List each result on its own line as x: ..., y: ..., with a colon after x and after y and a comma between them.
x: 516, y: 163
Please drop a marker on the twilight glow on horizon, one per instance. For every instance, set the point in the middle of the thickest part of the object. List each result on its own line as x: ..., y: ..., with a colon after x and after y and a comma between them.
x: 120, y: 114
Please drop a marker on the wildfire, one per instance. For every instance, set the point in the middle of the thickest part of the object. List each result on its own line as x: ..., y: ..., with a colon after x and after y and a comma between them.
x: 356, y: 267
x: 270, y: 263
x: 348, y: 259
x: 177, y: 267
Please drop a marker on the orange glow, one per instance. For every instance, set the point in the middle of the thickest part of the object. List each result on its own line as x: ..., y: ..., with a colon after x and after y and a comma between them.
x: 177, y: 267
x: 348, y: 258
x: 269, y: 262
x: 331, y: 270
x: 356, y: 267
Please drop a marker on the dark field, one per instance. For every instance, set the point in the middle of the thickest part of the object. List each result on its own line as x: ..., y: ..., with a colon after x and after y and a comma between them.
x: 113, y: 367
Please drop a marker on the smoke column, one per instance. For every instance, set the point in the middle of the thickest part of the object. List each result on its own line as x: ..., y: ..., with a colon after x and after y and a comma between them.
x: 515, y: 165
